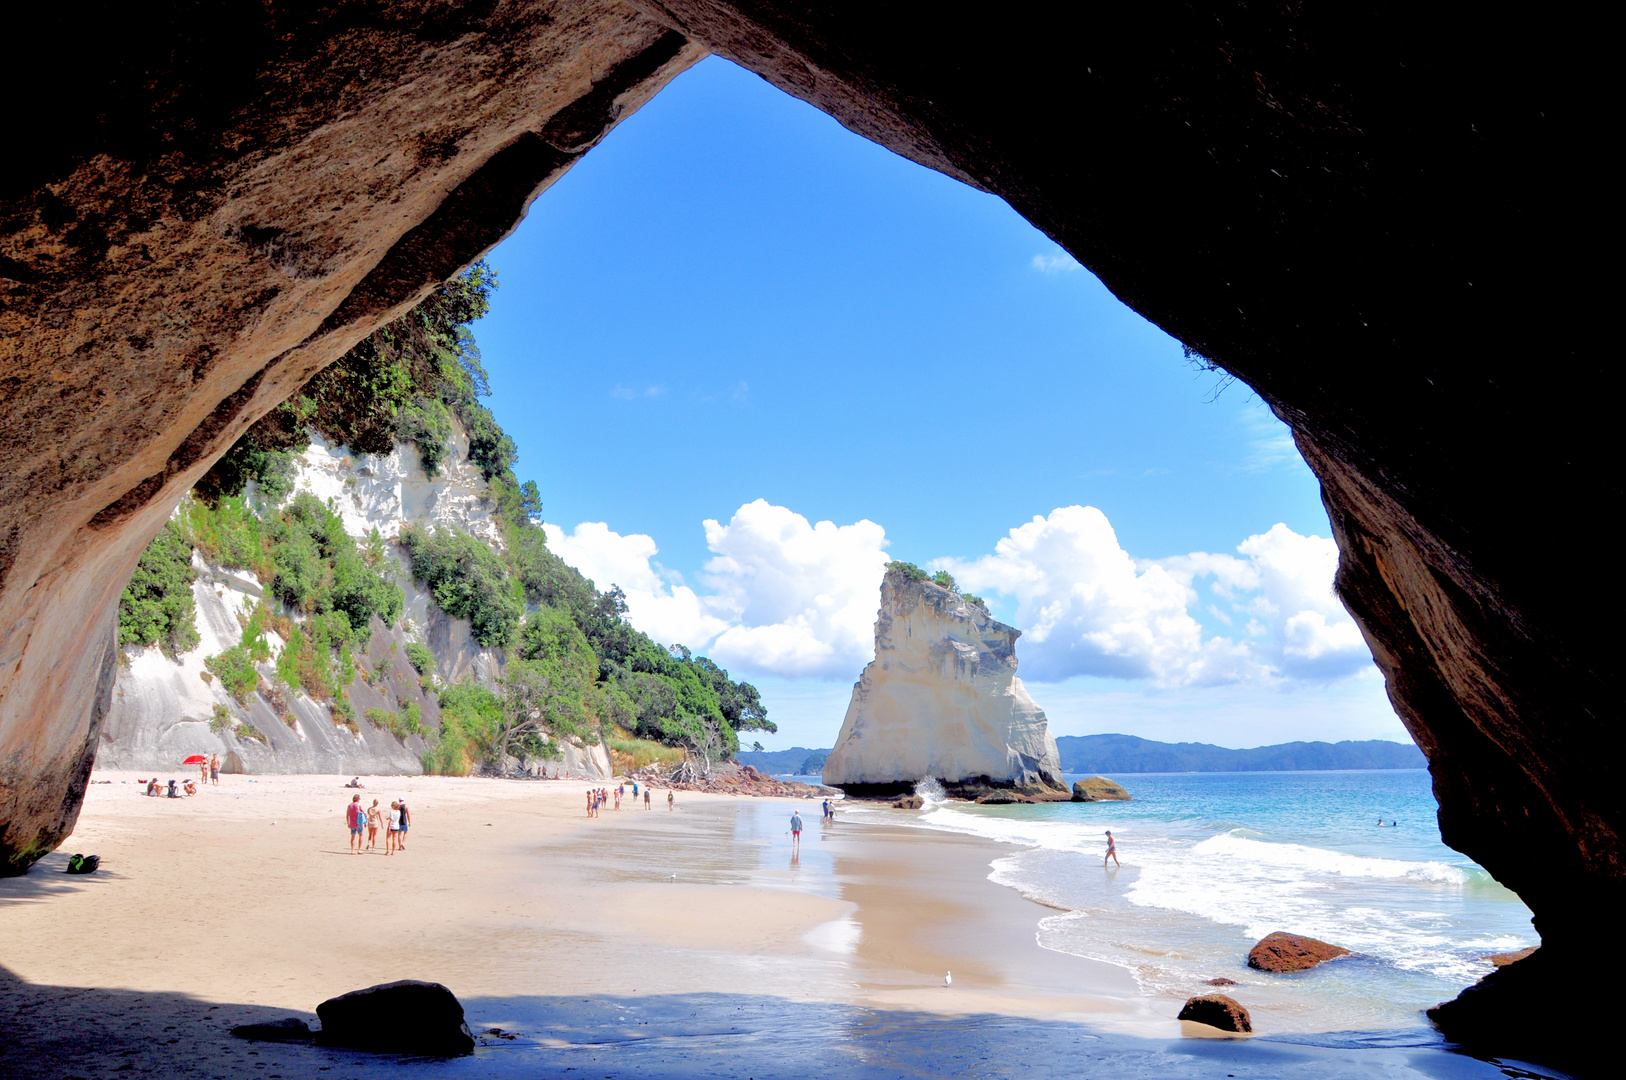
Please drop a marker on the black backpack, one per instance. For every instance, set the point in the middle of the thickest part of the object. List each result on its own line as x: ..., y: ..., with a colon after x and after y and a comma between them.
x: 83, y: 864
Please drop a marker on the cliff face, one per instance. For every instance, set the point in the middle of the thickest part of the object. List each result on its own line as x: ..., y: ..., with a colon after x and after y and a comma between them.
x: 941, y: 699
x: 165, y: 709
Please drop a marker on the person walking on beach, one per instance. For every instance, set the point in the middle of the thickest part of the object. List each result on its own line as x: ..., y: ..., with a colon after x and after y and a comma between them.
x: 214, y: 769
x: 374, y: 815
x: 356, y: 819
x: 406, y: 823
x: 795, y: 829
x: 1112, y: 851
x: 393, y: 838
x: 670, y: 798
x: 646, y: 798
x: 618, y: 798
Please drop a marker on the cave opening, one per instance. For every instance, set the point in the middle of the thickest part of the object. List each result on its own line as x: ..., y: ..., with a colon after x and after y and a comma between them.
x: 1319, y: 228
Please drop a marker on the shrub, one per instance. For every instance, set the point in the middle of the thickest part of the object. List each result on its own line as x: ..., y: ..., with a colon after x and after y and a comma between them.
x: 422, y: 660
x: 222, y: 719
x: 399, y: 724
x: 909, y: 570
x: 468, y: 581
x: 235, y: 671
x: 156, y: 607
x: 630, y: 754
x: 945, y: 579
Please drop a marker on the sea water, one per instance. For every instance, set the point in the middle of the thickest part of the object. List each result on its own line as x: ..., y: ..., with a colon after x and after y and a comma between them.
x: 1212, y: 862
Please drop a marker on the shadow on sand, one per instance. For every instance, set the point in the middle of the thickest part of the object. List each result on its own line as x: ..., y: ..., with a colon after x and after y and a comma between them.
x: 56, y: 1032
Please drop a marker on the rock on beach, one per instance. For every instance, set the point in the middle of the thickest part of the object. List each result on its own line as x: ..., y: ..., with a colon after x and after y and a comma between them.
x: 1217, y: 1011
x: 1281, y: 952
x: 405, y: 1017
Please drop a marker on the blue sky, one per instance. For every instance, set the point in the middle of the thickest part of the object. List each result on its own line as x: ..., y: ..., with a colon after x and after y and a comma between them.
x: 736, y: 311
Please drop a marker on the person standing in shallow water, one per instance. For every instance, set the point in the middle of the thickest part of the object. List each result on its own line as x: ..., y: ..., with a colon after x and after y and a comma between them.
x: 1112, y: 851
x: 795, y: 829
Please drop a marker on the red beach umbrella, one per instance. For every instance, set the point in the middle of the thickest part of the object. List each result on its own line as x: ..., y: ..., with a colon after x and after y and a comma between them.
x: 195, y: 759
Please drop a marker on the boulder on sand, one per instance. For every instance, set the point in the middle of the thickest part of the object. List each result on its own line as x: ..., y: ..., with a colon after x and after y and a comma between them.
x: 910, y: 802
x: 405, y: 1017
x: 1217, y: 1011
x: 1281, y: 952
x: 1222, y: 981
x: 1098, y: 789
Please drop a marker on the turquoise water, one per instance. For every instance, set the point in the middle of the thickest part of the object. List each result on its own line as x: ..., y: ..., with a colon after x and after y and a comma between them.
x: 1214, y: 861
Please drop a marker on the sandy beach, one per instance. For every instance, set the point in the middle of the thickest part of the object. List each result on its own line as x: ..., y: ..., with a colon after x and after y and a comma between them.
x: 691, y: 941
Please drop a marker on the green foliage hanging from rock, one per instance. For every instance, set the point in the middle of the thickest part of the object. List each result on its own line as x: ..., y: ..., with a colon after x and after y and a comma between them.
x: 156, y: 607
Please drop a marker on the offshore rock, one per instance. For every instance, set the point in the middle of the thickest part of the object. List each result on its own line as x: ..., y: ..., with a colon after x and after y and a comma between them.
x: 1217, y: 1011
x: 1099, y: 789
x: 1279, y: 953
x: 941, y: 699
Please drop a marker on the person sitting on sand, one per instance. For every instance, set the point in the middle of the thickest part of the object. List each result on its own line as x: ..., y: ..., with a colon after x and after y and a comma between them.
x: 152, y: 787
x: 173, y: 794
x: 355, y: 781
x: 374, y: 816
x: 355, y: 819
x: 1112, y: 851
x: 191, y: 788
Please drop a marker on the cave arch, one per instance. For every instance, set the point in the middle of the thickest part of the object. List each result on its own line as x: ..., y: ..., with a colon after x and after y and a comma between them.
x: 1375, y: 217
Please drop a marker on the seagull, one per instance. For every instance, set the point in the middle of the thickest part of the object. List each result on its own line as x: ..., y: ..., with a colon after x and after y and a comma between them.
x: 948, y: 978
x: 674, y: 877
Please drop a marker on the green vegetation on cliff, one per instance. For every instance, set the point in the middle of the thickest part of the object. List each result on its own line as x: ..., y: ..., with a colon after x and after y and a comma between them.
x: 575, y: 667
x: 157, y: 606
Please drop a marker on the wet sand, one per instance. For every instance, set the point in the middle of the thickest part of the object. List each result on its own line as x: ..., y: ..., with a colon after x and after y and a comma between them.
x: 690, y: 942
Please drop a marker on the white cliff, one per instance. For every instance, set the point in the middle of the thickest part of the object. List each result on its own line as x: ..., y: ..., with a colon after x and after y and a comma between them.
x: 941, y: 699
x: 165, y: 709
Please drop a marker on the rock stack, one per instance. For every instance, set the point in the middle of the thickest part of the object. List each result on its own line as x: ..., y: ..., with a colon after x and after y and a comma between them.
x: 941, y: 699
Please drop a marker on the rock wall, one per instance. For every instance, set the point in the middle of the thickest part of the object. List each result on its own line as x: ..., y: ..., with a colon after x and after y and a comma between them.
x: 940, y: 699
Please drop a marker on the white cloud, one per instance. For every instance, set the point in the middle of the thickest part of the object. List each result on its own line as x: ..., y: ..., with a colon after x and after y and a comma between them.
x: 1316, y: 637
x: 1058, y: 262
x: 802, y: 598
x: 657, y: 602
x: 632, y: 393
x: 1090, y: 609
x: 787, y: 597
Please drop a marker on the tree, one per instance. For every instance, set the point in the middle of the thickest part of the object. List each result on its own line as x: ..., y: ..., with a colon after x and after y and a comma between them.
x: 706, y: 741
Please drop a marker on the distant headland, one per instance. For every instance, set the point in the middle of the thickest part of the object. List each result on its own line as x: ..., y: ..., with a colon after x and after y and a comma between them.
x: 1131, y: 754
